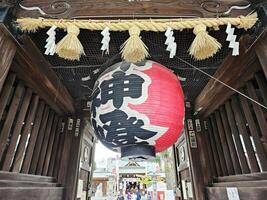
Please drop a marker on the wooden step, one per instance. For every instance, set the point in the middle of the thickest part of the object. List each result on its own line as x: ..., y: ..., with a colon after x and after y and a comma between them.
x: 245, y: 193
x: 243, y: 177
x: 31, y: 193
x: 260, y: 183
x: 11, y: 183
x: 25, y: 177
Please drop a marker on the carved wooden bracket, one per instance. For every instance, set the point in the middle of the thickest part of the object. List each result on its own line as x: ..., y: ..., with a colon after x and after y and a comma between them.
x: 131, y: 9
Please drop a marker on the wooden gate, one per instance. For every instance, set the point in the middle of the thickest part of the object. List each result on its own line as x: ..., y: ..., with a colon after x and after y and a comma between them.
x: 230, y: 130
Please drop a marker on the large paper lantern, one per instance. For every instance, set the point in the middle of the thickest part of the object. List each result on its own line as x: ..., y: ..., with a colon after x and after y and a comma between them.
x: 137, y: 109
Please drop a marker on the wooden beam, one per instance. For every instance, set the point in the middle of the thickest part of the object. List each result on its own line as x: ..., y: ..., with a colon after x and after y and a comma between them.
x: 243, y: 177
x: 258, y: 183
x: 251, y: 193
x: 31, y: 193
x: 43, y: 79
x: 12, y: 183
x: 7, y: 52
x: 130, y: 9
x: 234, y: 71
x: 25, y: 177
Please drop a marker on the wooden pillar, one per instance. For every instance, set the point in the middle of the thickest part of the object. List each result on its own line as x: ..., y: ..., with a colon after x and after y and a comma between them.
x: 195, y: 150
x: 7, y: 52
x: 70, y: 157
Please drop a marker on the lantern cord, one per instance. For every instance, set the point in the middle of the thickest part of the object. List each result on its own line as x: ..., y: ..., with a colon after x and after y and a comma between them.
x: 228, y: 86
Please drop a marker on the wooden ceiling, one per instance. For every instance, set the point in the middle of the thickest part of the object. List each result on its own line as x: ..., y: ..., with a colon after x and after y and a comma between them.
x: 131, y: 8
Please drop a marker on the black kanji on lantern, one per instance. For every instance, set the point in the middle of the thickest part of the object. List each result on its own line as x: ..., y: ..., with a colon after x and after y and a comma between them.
x: 122, y: 129
x: 96, y: 101
x: 120, y: 86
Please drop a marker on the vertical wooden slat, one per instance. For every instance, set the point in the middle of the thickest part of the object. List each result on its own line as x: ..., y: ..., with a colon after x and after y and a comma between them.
x: 45, y: 143
x: 261, y: 52
x: 230, y: 141
x: 258, y: 110
x: 218, y: 146
x: 65, y: 155
x: 29, y: 152
x: 55, y: 148
x: 254, y: 132
x: 39, y: 142
x: 16, y: 132
x: 7, y: 52
x: 226, y: 152
x: 235, y: 133
x: 6, y: 92
x: 207, y: 172
x: 209, y: 149
x: 246, y: 138
x: 54, y: 131
x: 10, y: 118
x: 262, y: 85
x: 214, y: 150
x: 59, y: 150
x: 25, y: 134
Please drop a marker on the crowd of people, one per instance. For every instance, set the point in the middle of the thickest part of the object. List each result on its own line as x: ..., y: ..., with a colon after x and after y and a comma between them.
x: 135, y: 194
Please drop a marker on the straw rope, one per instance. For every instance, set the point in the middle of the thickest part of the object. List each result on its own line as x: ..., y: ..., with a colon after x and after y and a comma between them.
x: 30, y: 24
x: 134, y: 49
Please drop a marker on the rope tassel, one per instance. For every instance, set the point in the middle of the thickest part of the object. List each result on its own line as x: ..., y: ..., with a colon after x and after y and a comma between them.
x: 204, y: 46
x: 70, y: 46
x: 134, y: 49
x: 30, y: 24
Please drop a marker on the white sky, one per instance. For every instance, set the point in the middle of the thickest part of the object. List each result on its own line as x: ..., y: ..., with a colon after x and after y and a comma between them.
x: 103, y: 152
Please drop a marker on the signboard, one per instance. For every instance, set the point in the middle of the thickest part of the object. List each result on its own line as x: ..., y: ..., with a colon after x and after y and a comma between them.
x: 232, y: 193
x: 190, y: 124
x: 193, y: 139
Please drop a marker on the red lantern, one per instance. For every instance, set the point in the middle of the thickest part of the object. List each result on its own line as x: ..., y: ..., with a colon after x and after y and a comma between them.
x: 138, y: 109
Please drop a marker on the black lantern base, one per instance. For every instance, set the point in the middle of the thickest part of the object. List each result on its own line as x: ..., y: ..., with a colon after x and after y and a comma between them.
x: 138, y: 152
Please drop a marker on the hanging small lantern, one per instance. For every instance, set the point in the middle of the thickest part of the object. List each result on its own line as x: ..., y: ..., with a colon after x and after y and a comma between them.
x: 137, y: 109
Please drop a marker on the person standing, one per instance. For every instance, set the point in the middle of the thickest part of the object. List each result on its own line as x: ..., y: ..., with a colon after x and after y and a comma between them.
x: 138, y: 195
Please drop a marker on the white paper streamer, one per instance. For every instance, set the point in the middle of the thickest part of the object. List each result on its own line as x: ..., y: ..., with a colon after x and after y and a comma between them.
x: 51, y: 41
x: 170, y: 42
x: 87, y: 78
x: 105, y: 41
x: 231, y: 37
